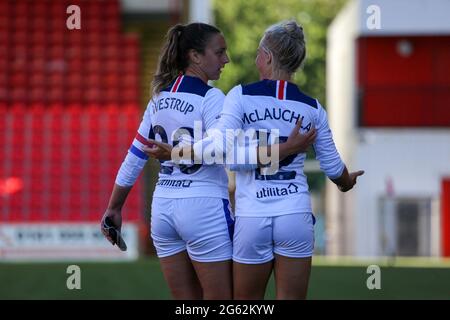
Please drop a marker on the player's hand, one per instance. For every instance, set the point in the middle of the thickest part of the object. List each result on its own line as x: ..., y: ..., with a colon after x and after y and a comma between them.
x: 298, y: 142
x: 353, y: 176
x: 116, y: 218
x: 159, y: 150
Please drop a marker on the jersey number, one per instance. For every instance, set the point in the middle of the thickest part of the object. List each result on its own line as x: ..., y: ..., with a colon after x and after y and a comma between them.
x: 158, y: 130
x: 281, y: 174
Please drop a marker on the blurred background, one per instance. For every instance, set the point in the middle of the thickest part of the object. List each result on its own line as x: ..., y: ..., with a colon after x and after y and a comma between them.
x: 74, y: 82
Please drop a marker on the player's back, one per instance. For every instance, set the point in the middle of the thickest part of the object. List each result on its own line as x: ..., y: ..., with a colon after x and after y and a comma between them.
x: 186, y: 106
x: 270, y: 105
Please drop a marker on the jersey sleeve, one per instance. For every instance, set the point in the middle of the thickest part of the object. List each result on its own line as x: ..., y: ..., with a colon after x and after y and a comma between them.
x: 326, y: 152
x: 212, y: 107
x: 222, y: 137
x: 232, y: 111
x: 135, y: 159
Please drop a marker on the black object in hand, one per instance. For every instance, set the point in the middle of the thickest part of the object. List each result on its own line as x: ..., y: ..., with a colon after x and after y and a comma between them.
x: 114, y: 234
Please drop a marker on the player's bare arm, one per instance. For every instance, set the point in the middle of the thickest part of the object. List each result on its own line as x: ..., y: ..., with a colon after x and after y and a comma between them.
x: 347, y: 180
x: 114, y: 211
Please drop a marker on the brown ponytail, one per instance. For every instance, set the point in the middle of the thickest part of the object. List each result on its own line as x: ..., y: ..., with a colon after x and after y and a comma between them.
x: 167, y: 68
x: 174, y: 54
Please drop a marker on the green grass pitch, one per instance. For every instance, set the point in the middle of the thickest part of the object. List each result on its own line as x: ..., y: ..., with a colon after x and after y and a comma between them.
x: 143, y: 280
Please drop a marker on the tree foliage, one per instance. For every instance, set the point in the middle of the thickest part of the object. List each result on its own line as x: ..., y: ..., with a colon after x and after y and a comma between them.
x: 243, y: 23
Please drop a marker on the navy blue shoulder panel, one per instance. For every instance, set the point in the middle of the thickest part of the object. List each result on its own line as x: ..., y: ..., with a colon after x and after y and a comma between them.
x: 190, y: 85
x: 167, y: 89
x: 193, y: 85
x: 268, y: 88
x: 260, y: 88
x: 294, y: 93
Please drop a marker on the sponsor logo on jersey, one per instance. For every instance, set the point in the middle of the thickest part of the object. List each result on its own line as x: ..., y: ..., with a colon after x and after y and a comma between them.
x: 277, y: 191
x: 174, y: 183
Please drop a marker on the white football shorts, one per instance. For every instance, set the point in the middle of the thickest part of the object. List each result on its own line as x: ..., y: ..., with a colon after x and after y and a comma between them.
x: 202, y: 226
x: 256, y: 239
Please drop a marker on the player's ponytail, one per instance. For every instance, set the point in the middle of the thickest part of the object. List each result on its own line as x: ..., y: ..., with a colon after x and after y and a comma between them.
x: 168, y: 67
x: 174, y: 54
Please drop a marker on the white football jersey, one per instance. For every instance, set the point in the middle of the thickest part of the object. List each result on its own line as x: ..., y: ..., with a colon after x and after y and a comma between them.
x: 170, y: 117
x: 267, y: 105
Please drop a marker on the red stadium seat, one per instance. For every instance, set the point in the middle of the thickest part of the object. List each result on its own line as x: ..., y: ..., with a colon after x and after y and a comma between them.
x: 40, y: 9
x: 93, y: 80
x: 19, y: 65
x: 5, y: 94
x: 94, y: 66
x: 38, y: 94
x: 4, y: 77
x: 74, y: 51
x: 74, y: 80
x: 58, y: 25
x: 58, y: 8
x: 19, y: 94
x: 93, y: 52
x: 112, y: 27
x: 57, y: 52
x: 38, y: 38
x: 130, y: 80
x: 5, y: 37
x: 93, y: 9
x: 19, y: 80
x: 56, y: 80
x: 20, y: 37
x: 131, y: 66
x: 93, y: 95
x: 49, y: 77
x: 37, y: 64
x: 56, y: 164
x: 20, y: 50
x: 39, y: 24
x: 39, y: 51
x: 5, y: 51
x: 5, y: 7
x: 74, y: 95
x: 129, y: 96
x: 94, y: 28
x: 20, y: 23
x: 130, y: 46
x: 56, y: 94
x: 111, y: 66
x: 57, y: 39
x: 18, y: 109
x: 3, y: 112
x: 74, y: 37
x: 21, y: 9
x: 112, y: 39
x: 111, y: 52
x: 74, y: 208
x: 111, y: 80
x: 112, y: 10
x: 37, y: 78
x: 112, y: 94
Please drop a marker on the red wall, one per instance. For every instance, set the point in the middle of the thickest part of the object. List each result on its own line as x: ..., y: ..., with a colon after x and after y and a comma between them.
x: 404, y: 91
